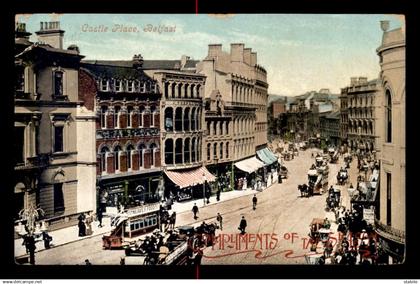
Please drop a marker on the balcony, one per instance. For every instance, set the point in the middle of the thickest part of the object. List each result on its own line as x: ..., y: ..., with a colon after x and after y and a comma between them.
x: 38, y: 162
x: 126, y: 133
x: 389, y: 233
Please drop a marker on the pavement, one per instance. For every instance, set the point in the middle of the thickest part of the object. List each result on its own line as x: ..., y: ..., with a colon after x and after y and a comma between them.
x: 71, y: 234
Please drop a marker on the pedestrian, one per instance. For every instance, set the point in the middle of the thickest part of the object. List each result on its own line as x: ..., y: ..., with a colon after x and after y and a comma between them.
x: 242, y: 225
x: 195, y: 211
x: 88, y: 222
x: 47, y: 239
x: 218, y: 194
x: 172, y: 220
x: 87, y: 262
x: 122, y: 261
x: 99, y: 216
x: 219, y: 219
x: 254, y: 202
x: 82, y: 225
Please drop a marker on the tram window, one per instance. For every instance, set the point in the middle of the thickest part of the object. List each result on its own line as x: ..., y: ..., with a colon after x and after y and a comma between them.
x: 132, y: 227
x: 141, y: 224
x: 136, y: 226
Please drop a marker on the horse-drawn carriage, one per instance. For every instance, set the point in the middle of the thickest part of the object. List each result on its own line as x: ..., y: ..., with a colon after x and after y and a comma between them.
x: 318, y: 232
x: 283, y: 172
x: 287, y: 156
x: 333, y: 155
x: 342, y: 177
x: 317, y: 181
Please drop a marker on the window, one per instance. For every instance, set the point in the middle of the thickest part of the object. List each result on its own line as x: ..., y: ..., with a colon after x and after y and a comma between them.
x: 141, y: 112
x: 104, y: 109
x: 187, y: 150
x: 104, y: 85
x: 20, y: 79
x: 58, y: 138
x: 227, y: 127
x: 227, y: 150
x: 388, y: 115
x: 19, y: 145
x: 221, y: 150
x: 178, y: 119
x: 152, y: 153
x: 58, y: 84
x: 152, y: 115
x: 187, y: 119
x: 193, y: 119
x: 221, y: 127
x: 129, y: 114
x: 141, y: 154
x: 214, y: 128
x: 169, y: 119
x: 388, y: 199
x: 58, y: 198
x: 116, y: 116
x: 208, y: 127
x: 169, y: 151
x: 117, y: 150
x: 118, y: 86
x: 130, y: 86
x: 208, y: 152
x: 130, y: 148
x: 214, y: 151
x: 193, y: 149
x: 178, y: 151
x: 142, y: 87
x: 103, y: 159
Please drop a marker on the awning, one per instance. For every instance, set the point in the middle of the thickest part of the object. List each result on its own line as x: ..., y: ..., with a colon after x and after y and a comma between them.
x: 250, y: 165
x: 190, y: 177
x: 266, y: 156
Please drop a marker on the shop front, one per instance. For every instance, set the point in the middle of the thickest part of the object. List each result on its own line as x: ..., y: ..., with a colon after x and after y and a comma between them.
x: 250, y: 173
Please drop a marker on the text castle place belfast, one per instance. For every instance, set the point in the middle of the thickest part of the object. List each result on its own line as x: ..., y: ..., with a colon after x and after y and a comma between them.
x: 183, y: 161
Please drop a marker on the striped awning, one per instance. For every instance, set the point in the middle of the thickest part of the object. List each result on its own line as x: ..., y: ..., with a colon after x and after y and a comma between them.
x: 250, y: 165
x: 266, y: 156
x: 190, y: 177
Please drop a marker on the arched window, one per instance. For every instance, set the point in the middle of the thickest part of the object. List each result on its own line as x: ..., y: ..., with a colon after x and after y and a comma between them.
x: 215, y: 151
x: 227, y: 150
x: 221, y: 127
x: 388, y: 116
x: 104, y: 109
x: 142, y: 147
x: 141, y: 113
x: 214, y: 127
x: 169, y: 151
x: 117, y: 154
x: 130, y: 148
x: 227, y: 127
x: 178, y: 119
x: 208, y: 152
x: 153, y: 148
x: 178, y: 151
x: 166, y: 90
x: 193, y: 118
x: 193, y: 150
x: 187, y: 150
x: 186, y: 87
x: 169, y: 114
x: 117, y: 110
x: 208, y: 127
x: 221, y: 150
x: 179, y: 90
x: 192, y: 90
x: 198, y: 91
x: 152, y: 115
x: 104, y: 150
x: 187, y: 119
x: 197, y: 119
x: 173, y: 85
x: 129, y: 114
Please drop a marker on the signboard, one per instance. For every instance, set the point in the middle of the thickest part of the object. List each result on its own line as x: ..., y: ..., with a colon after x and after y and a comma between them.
x: 369, y: 216
x: 143, y: 209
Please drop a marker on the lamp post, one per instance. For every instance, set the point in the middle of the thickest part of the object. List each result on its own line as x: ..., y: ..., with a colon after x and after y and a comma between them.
x: 31, y: 230
x: 204, y: 189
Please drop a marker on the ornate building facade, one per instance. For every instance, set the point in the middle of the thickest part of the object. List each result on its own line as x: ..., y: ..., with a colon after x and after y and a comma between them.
x: 359, y: 117
x: 391, y: 221
x: 54, y: 129
x: 128, y: 147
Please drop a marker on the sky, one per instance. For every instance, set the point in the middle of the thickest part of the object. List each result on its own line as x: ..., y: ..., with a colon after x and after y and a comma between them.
x: 301, y: 52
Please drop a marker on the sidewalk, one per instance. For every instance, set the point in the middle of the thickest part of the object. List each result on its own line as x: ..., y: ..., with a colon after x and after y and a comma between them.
x: 71, y: 234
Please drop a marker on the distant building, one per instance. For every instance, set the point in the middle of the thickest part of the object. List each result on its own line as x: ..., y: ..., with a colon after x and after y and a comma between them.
x: 278, y: 107
x: 359, y: 117
x: 330, y: 127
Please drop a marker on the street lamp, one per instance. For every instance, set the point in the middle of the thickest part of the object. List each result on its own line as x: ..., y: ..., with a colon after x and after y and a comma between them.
x: 31, y: 230
x: 204, y: 189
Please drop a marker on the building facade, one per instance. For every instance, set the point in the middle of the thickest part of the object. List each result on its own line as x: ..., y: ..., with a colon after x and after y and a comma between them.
x: 128, y: 121
x: 360, y: 115
x: 330, y: 128
x: 54, y: 137
x: 390, y: 223
x: 279, y: 107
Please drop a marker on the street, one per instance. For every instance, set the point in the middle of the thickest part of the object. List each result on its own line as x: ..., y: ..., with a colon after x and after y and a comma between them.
x: 282, y: 217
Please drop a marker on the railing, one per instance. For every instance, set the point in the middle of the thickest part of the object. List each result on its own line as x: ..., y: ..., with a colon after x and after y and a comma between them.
x: 39, y: 161
x: 390, y: 232
x: 122, y: 133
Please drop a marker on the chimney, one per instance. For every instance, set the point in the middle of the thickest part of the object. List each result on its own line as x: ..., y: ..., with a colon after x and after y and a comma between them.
x: 253, y: 58
x: 137, y: 61
x: 184, y: 60
x: 385, y: 26
x: 353, y: 81
x: 214, y: 50
x: 237, y: 52
x: 51, y: 34
x: 247, y: 55
x: 362, y: 80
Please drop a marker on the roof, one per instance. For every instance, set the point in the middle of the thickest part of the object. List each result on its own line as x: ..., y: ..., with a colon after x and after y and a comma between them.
x: 48, y: 48
x: 249, y: 165
x: 189, y: 178
x: 114, y: 71
x: 147, y: 64
x: 333, y: 115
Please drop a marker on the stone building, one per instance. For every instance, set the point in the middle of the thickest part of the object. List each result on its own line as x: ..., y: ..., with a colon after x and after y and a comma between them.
x: 235, y: 104
x: 330, y: 127
x: 128, y: 146
x: 359, y: 114
x: 54, y: 130
x: 391, y: 222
